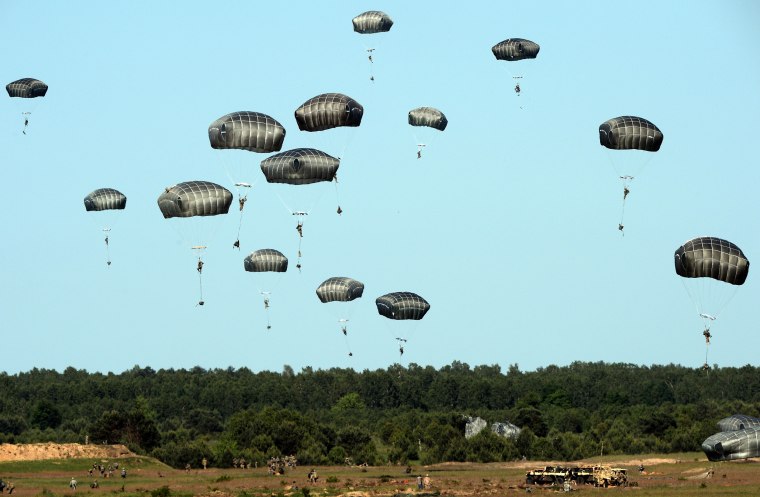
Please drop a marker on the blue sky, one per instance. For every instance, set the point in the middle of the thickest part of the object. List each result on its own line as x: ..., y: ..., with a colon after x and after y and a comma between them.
x: 507, y: 225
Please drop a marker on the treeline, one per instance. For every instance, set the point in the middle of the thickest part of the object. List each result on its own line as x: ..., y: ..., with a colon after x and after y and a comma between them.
x: 399, y: 414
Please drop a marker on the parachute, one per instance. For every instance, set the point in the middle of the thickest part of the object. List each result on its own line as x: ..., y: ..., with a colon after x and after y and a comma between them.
x: 329, y: 110
x: 300, y: 166
x: 402, y: 305
x: 372, y: 21
x: 26, y: 88
x: 105, y: 199
x: 252, y: 131
x: 709, y: 257
x: 712, y: 269
x: 245, y: 130
x: 266, y: 261
x: 731, y: 445
x: 341, y: 289
x: 633, y: 134
x: 514, y: 49
x: 195, y: 199
x: 630, y: 133
x: 738, y: 422
x: 427, y: 117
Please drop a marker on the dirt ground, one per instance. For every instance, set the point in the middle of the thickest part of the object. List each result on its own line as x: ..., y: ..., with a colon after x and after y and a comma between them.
x: 663, y: 477
x: 41, y: 451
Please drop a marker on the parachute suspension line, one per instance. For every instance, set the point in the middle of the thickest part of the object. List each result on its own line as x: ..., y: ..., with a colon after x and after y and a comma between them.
x: 337, y: 196
x: 199, y: 268
x: 242, y: 199
x: 299, y: 229
x: 626, y: 183
x: 108, y: 255
x: 344, y: 329
x: 266, y: 307
x: 26, y: 120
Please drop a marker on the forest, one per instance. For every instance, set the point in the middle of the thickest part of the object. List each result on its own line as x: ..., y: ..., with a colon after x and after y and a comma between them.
x: 401, y: 414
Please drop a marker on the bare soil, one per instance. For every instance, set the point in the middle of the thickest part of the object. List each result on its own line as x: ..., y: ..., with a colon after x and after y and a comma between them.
x: 41, y: 451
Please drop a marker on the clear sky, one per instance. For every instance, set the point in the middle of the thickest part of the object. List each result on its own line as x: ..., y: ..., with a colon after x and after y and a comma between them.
x: 507, y: 225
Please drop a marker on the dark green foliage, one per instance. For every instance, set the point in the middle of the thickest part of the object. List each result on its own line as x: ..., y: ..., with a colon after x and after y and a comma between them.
x: 161, y: 492
x: 402, y: 414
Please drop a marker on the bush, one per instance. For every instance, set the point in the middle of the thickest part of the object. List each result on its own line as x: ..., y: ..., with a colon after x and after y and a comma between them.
x: 161, y: 492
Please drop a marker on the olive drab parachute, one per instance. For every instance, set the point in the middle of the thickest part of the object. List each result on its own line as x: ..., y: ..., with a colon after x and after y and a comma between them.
x: 194, y: 198
x: 732, y: 445
x: 402, y: 305
x: 428, y: 116
x: 26, y: 88
x: 246, y: 130
x: 106, y: 199
x: 711, y: 270
x: 630, y: 133
x: 514, y: 49
x: 710, y: 257
x: 738, y: 422
x: 266, y: 261
x: 629, y: 137
x: 300, y: 166
x: 191, y: 203
x: 329, y: 110
x: 249, y: 131
x: 372, y: 21
x: 340, y: 289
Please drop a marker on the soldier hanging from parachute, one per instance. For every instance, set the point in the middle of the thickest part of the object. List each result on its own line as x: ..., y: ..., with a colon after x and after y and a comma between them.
x: 628, y: 136
x: 372, y: 22
x: 248, y: 131
x: 712, y: 270
x: 266, y: 261
x: 26, y: 88
x: 194, y: 202
x: 107, y: 201
x: 343, y: 290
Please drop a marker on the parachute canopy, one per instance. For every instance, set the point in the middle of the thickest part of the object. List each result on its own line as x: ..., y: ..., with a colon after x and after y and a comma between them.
x: 340, y: 289
x: 402, y: 305
x: 300, y: 166
x: 194, y: 198
x: 738, y: 422
x: 728, y: 445
x: 630, y: 133
x: 27, y: 88
x: 372, y: 21
x: 266, y: 260
x: 709, y: 257
x: 104, y: 199
x: 246, y: 130
x: 428, y: 116
x: 515, y: 49
x: 329, y: 110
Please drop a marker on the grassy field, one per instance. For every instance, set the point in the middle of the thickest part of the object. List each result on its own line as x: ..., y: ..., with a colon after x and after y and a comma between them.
x: 664, y: 475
